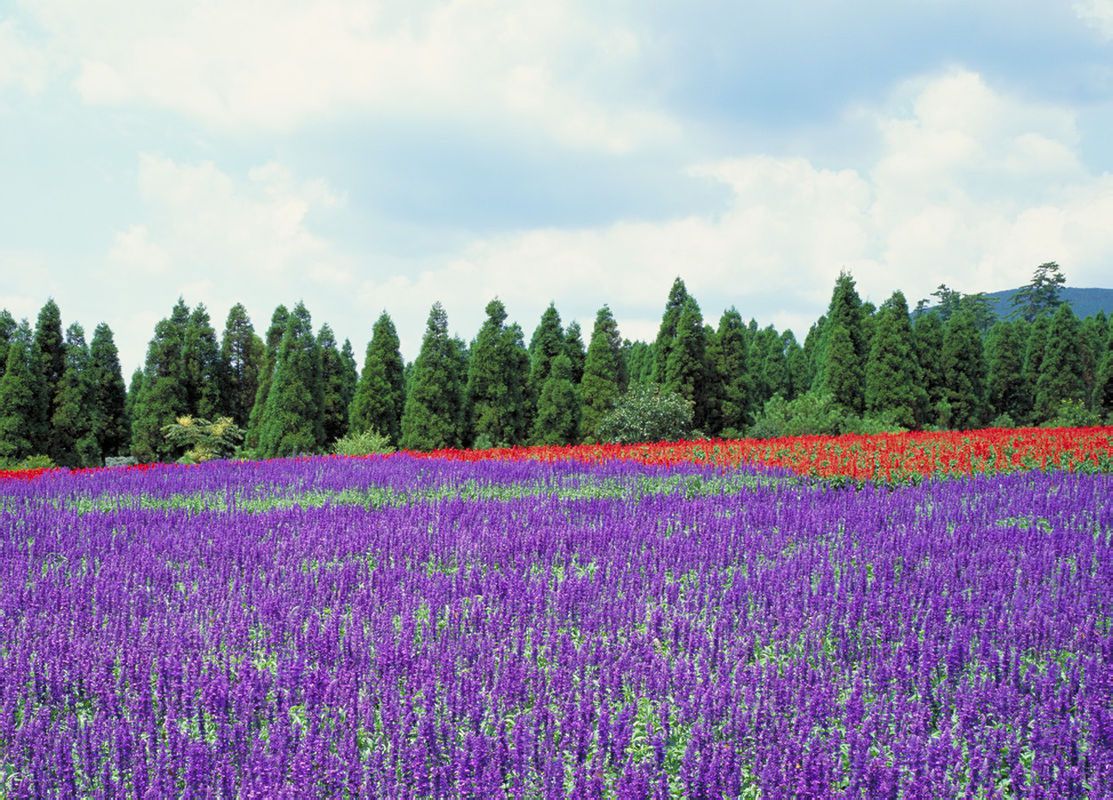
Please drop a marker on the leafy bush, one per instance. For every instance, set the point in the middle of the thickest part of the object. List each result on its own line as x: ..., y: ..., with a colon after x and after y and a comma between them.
x: 810, y: 413
x: 367, y: 443
x: 203, y: 440
x: 1003, y: 421
x: 647, y: 414
x: 28, y: 462
x: 1073, y: 414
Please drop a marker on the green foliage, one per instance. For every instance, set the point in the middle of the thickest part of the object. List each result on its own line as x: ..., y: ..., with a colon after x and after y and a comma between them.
x: 1073, y: 414
x: 48, y: 362
x: 334, y: 404
x: 647, y: 414
x: 17, y: 399
x: 111, y: 427
x: 1042, y: 294
x: 271, y: 346
x: 927, y: 337
x: 546, y: 343
x: 162, y: 396
x: 1103, y: 384
x: 201, y: 365
x: 639, y: 358
x: 1062, y: 370
x: 73, y: 423
x: 292, y: 418
x: 666, y: 334
x: 893, y: 387
x: 730, y: 383
x: 575, y: 350
x: 686, y: 365
x: 8, y: 328
x: 964, y: 372
x: 810, y: 413
x: 604, y: 375
x: 379, y: 397
x: 498, y: 374
x: 364, y: 443
x: 241, y: 356
x: 842, y: 355
x: 203, y: 440
x: 1006, y: 388
x: 557, y: 419
x: 28, y: 462
x: 434, y: 410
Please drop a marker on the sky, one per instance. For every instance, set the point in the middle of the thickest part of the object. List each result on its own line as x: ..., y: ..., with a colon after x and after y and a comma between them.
x: 363, y: 156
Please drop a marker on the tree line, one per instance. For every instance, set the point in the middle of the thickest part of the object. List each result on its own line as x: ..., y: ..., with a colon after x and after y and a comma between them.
x: 294, y: 390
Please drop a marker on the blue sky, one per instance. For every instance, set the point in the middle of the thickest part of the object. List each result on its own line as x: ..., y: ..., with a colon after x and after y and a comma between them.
x: 363, y: 156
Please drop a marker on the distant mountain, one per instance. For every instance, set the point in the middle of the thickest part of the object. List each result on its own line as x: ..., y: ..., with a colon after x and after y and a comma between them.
x: 1084, y: 302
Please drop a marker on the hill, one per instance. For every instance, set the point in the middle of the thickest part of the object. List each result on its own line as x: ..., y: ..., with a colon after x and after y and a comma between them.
x: 1085, y: 302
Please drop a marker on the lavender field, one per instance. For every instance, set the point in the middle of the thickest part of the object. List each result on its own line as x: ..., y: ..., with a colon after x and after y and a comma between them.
x: 402, y: 628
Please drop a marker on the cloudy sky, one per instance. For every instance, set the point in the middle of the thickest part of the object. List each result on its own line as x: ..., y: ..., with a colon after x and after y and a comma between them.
x: 368, y: 155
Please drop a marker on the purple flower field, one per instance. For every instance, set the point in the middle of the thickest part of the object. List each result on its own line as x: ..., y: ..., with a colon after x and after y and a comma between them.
x: 404, y: 628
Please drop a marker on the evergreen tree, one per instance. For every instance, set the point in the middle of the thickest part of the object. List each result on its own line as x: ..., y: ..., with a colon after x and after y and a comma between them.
x: 927, y: 336
x: 433, y: 416
x: 1006, y: 389
x: 639, y: 359
x: 48, y: 359
x: 604, y: 378
x: 893, y: 388
x: 163, y: 396
x: 17, y: 398
x: 379, y: 398
x: 728, y: 355
x: 842, y: 367
x: 241, y: 355
x: 799, y: 379
x: 111, y: 427
x: 1034, y: 349
x: 292, y: 418
x: 271, y: 346
x: 498, y: 372
x: 74, y: 422
x: 812, y: 348
x: 546, y: 344
x: 557, y: 420
x: 666, y: 334
x: 8, y: 328
x: 869, y: 324
x: 686, y: 367
x: 774, y: 365
x: 135, y: 388
x: 1042, y: 294
x: 964, y: 371
x: 575, y: 350
x: 1103, y: 389
x: 201, y: 366
x: 1063, y: 368
x: 334, y: 405
x: 350, y: 374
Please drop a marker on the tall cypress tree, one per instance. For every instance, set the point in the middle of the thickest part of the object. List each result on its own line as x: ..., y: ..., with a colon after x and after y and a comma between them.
x: 271, y: 345
x: 111, y: 427
x: 8, y: 328
x: 74, y: 418
x: 1063, y: 367
x: 774, y: 364
x: 334, y: 405
x: 575, y: 350
x: 163, y: 396
x: 48, y: 363
x: 433, y: 416
x: 241, y: 356
x: 546, y: 344
x: 604, y: 374
x: 812, y: 346
x: 799, y: 381
x: 292, y: 418
x: 379, y: 397
x: 842, y: 368
x: 639, y: 362
x: 498, y: 373
x: 729, y: 355
x: 666, y: 334
x: 893, y: 388
x: 1006, y: 389
x: 201, y: 366
x: 17, y: 398
x: 557, y: 420
x: 927, y: 336
x: 964, y: 370
x: 1103, y: 389
x: 1034, y: 347
x: 350, y: 377
x: 135, y: 387
x: 686, y: 366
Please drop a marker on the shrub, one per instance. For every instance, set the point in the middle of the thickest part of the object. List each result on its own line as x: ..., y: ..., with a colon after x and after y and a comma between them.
x: 1073, y: 414
x: 367, y: 443
x: 203, y: 440
x: 647, y: 414
x: 810, y: 413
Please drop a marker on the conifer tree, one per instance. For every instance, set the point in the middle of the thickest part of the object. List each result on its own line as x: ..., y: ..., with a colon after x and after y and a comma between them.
x: 639, y: 362
x: 135, y: 387
x: 48, y: 363
x: 604, y: 374
x: 666, y: 334
x: 271, y: 345
x: 73, y: 423
x: 1006, y: 389
x: 893, y: 389
x: 575, y: 350
x: 163, y: 396
x: 434, y: 413
x: 201, y: 366
x: 379, y: 397
x: 796, y: 362
x: 812, y: 348
x: 334, y: 405
x: 1034, y: 347
x: 241, y: 356
x: 686, y: 366
x: 350, y: 375
x: 774, y: 365
x: 1042, y: 294
x: 8, y: 327
x: 927, y: 337
x: 546, y: 344
x: 1103, y: 389
x: 842, y: 354
x: 498, y: 373
x: 111, y: 427
x: 557, y: 420
x: 17, y: 398
x: 292, y: 418
x: 1062, y: 370
x: 728, y: 355
x: 964, y: 371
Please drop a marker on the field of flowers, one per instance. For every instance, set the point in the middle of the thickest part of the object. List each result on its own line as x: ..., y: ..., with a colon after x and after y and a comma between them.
x: 577, y: 624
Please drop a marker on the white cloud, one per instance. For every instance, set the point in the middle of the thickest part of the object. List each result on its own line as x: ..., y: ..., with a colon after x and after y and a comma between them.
x: 245, y: 65
x: 1098, y: 14
x: 21, y: 64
